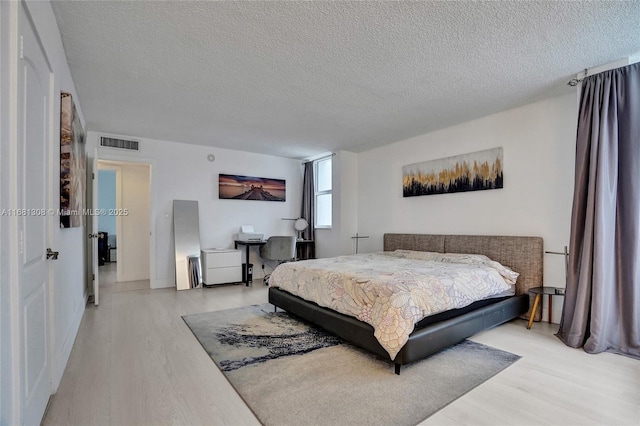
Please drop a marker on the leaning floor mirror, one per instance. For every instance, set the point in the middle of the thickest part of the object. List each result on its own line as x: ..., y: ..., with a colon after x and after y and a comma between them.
x: 186, y: 235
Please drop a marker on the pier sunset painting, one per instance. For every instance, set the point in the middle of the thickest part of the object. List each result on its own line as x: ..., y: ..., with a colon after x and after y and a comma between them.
x: 468, y: 172
x: 236, y: 187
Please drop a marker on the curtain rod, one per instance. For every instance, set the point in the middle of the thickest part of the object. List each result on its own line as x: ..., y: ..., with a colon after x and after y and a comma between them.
x: 623, y: 62
x: 574, y: 81
x: 319, y: 158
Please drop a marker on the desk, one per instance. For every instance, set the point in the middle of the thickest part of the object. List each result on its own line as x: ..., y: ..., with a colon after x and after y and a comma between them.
x: 305, y: 249
x: 539, y: 291
x: 247, y: 245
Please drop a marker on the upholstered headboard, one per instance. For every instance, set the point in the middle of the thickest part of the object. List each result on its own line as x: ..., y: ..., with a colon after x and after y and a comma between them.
x: 522, y: 254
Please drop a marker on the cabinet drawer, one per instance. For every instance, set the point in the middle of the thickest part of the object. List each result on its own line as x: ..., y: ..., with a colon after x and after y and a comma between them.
x: 231, y: 274
x: 220, y: 258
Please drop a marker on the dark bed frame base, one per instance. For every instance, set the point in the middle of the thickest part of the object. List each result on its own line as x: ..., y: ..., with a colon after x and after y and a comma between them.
x: 522, y: 254
x: 422, y: 343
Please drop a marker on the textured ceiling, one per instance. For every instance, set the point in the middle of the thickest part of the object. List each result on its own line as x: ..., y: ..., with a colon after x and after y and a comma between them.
x: 296, y: 79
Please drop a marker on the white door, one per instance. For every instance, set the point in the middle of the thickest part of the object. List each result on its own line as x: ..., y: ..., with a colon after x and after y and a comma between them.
x: 32, y: 227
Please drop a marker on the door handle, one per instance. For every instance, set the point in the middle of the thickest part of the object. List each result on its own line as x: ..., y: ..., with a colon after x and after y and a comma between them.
x: 52, y: 254
x: 96, y: 235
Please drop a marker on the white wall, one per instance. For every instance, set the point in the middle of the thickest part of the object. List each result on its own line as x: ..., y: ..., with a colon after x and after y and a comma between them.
x: 67, y: 275
x: 181, y: 171
x: 539, y: 148
x: 337, y: 240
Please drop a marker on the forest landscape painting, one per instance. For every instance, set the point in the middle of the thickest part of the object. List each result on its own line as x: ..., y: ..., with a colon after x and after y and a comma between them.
x: 251, y: 188
x: 468, y: 172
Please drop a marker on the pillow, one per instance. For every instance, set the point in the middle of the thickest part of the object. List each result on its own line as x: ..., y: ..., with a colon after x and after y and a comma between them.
x: 509, y: 275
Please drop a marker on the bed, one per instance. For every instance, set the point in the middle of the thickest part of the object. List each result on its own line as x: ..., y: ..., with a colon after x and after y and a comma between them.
x: 521, y: 254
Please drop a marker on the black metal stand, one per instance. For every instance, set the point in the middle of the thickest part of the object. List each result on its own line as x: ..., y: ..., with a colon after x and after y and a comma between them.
x: 357, y: 238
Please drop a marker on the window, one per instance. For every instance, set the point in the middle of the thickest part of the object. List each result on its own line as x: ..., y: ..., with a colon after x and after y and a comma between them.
x: 322, y: 179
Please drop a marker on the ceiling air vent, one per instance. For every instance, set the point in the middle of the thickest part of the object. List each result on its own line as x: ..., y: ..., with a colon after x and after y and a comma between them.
x: 119, y: 143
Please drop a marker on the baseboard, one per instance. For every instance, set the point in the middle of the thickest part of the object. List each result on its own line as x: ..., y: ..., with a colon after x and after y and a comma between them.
x: 62, y: 356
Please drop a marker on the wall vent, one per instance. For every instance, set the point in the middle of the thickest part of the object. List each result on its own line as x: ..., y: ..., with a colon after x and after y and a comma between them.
x: 119, y: 143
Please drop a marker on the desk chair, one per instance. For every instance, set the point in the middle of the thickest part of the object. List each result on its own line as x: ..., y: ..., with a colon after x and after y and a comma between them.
x: 279, y: 248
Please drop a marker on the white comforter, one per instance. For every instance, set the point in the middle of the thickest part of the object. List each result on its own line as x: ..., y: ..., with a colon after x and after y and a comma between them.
x: 392, y: 291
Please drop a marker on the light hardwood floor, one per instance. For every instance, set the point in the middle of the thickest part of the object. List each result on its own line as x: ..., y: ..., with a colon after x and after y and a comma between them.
x: 135, y: 362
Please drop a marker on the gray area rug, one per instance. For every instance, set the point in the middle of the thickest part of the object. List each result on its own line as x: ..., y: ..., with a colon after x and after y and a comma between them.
x: 291, y: 373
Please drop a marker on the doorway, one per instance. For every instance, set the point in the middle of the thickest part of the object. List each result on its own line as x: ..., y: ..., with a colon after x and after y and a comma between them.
x: 124, y: 202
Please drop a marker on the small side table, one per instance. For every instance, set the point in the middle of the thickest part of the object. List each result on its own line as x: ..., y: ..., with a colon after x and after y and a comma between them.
x: 539, y: 291
x: 305, y: 249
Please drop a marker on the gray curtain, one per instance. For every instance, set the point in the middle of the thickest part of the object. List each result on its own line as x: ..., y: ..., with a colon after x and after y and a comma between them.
x: 308, y: 201
x: 602, y: 301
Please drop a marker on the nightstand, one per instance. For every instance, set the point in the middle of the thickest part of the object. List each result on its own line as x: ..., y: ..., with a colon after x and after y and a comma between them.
x: 221, y: 266
x: 539, y: 291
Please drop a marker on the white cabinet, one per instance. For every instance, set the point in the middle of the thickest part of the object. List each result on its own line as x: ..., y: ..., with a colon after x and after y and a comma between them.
x: 220, y: 266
